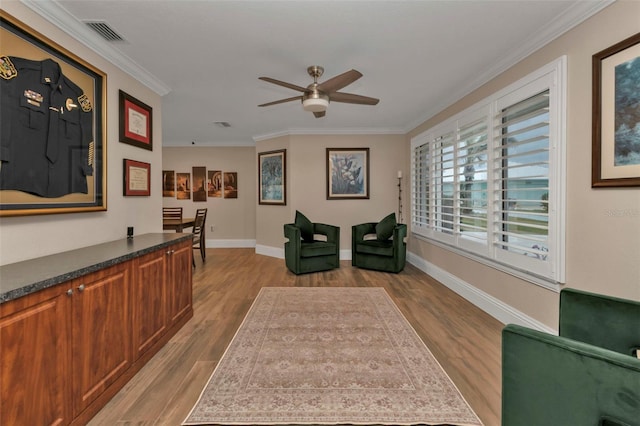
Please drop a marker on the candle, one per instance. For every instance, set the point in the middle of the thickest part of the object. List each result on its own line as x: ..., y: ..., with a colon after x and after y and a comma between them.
x: 399, y: 174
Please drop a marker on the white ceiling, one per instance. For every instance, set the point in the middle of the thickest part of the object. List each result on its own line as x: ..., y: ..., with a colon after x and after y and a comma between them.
x: 205, y: 57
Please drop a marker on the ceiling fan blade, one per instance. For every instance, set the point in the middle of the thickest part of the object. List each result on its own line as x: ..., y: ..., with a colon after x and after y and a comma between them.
x: 283, y: 83
x: 319, y: 114
x: 281, y: 101
x: 338, y: 82
x: 350, y: 98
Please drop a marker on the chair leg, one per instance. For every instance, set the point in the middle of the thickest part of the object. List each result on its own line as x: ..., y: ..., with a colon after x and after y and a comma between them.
x: 193, y: 259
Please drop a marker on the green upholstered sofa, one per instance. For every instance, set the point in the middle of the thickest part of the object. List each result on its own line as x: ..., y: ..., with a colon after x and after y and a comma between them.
x: 387, y: 251
x: 304, y: 252
x: 589, y: 375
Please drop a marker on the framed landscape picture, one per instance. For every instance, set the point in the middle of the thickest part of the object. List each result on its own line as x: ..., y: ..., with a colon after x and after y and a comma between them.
x: 616, y: 115
x: 347, y: 173
x: 272, y: 185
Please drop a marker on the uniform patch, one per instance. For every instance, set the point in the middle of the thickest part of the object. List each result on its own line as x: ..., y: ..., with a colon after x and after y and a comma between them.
x: 7, y: 69
x: 85, y: 103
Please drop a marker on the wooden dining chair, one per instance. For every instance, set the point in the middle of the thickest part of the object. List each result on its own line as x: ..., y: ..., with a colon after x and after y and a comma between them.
x: 173, y: 213
x: 198, y: 234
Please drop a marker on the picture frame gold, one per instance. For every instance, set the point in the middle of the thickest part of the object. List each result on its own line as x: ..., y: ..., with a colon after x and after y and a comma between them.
x: 23, y: 42
x: 615, y: 118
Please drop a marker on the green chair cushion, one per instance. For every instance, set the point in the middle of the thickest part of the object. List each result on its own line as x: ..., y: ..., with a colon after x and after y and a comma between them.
x: 381, y: 248
x: 305, y: 225
x: 384, y: 228
x: 317, y: 248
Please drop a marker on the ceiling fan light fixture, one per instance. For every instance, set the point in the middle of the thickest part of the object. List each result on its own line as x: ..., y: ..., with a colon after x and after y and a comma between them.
x: 315, y: 104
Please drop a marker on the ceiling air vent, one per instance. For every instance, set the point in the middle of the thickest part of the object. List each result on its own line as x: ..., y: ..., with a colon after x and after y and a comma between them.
x: 105, y: 31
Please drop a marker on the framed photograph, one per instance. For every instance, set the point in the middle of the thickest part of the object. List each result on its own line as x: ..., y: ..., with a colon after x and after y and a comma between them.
x: 214, y: 183
x: 272, y: 185
x: 230, y: 184
x: 616, y: 115
x: 183, y: 186
x: 347, y: 173
x: 137, y: 178
x: 199, y: 183
x: 135, y: 122
x: 63, y: 171
x: 168, y: 183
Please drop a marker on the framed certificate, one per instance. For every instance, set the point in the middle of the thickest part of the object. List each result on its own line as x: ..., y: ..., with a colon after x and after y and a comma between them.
x: 137, y: 178
x: 135, y: 122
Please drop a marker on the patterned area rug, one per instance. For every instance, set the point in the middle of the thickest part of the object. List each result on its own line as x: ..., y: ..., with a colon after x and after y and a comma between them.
x: 328, y: 356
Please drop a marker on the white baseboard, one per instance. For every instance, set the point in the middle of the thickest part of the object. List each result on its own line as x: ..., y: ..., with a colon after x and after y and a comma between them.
x: 230, y: 243
x: 270, y: 251
x: 494, y: 307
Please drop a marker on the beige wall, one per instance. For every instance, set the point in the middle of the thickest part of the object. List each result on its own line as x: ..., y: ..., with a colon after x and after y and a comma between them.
x: 27, y: 237
x: 603, y: 225
x: 232, y: 218
x: 307, y: 190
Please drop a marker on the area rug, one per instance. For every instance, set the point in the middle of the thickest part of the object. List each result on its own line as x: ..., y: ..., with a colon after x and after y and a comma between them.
x: 328, y: 356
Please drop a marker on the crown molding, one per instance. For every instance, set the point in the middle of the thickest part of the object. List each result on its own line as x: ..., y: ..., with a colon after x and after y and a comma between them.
x: 61, y: 18
x: 580, y: 11
x: 325, y: 132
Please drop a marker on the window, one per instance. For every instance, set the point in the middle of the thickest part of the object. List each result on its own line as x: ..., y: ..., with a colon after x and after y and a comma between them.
x: 489, y: 182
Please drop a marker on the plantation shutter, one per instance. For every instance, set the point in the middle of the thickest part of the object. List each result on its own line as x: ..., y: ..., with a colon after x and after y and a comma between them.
x: 472, y: 179
x: 421, y: 185
x: 443, y: 182
x: 521, y: 161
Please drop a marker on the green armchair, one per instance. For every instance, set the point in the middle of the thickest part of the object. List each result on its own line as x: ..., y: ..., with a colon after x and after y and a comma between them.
x: 304, y: 253
x: 588, y: 375
x: 386, y: 252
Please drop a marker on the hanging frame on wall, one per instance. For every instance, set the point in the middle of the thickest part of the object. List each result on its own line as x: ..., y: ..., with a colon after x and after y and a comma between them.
x: 61, y: 174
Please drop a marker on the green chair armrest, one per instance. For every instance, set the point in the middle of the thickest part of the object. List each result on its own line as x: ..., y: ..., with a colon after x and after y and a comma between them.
x: 603, y: 321
x: 553, y: 380
x: 331, y: 232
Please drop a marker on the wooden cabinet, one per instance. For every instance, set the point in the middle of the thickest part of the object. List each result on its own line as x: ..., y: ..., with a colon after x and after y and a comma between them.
x: 67, y: 349
x: 35, y: 370
x: 179, y: 275
x: 150, y: 295
x: 100, y: 332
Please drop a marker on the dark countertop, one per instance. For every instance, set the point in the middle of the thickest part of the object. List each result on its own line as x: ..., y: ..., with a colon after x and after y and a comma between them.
x: 22, y: 278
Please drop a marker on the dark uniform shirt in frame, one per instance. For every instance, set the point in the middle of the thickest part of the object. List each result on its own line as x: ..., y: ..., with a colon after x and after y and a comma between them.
x: 46, y: 129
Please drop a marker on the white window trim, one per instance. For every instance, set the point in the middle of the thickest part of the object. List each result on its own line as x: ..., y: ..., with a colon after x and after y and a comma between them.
x: 552, y: 76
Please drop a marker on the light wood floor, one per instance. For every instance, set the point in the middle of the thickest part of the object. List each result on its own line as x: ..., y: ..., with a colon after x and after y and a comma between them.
x: 464, y: 339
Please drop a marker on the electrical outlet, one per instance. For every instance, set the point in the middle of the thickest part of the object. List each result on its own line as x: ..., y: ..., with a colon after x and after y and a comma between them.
x: 213, y: 228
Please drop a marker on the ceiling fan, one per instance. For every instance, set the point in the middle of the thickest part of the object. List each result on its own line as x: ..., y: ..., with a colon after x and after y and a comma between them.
x: 316, y: 96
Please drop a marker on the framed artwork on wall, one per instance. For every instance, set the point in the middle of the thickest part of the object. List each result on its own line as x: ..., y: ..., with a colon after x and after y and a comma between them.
x: 62, y: 171
x: 168, y: 183
x: 135, y: 122
x: 272, y: 185
x: 616, y: 115
x: 214, y: 183
x: 137, y: 178
x: 347, y: 173
x: 183, y: 186
x: 230, y: 184
x: 199, y: 183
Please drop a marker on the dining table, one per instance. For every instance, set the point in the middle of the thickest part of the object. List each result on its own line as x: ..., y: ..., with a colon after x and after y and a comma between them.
x: 178, y: 224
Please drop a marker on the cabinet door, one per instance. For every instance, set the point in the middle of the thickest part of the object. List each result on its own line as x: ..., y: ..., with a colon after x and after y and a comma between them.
x: 35, y: 383
x: 179, y: 280
x: 101, y: 332
x: 150, y: 295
